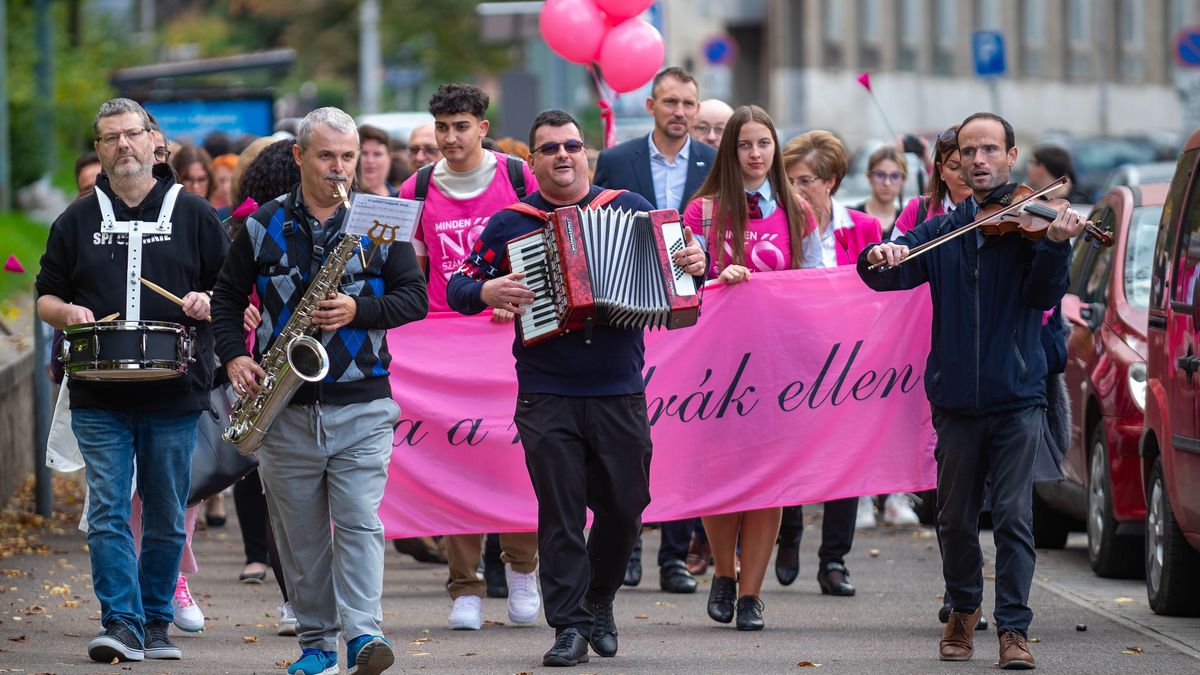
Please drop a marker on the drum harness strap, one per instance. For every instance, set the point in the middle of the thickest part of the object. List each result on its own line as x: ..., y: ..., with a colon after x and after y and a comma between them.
x: 135, y: 229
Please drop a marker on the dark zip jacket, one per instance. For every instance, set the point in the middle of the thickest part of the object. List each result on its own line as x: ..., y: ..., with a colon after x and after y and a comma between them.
x: 274, y: 254
x: 989, y: 294
x: 85, y: 267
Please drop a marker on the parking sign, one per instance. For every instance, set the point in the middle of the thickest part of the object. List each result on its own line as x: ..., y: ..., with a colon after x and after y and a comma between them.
x: 987, y: 48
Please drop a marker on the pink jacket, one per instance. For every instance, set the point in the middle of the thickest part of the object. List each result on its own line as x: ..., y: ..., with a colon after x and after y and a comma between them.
x: 865, y: 231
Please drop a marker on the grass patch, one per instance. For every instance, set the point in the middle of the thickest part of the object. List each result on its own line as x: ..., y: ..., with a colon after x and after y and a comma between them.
x: 26, y: 239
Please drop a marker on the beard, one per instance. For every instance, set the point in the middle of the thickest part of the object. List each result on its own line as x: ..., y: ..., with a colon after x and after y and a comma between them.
x: 127, y: 170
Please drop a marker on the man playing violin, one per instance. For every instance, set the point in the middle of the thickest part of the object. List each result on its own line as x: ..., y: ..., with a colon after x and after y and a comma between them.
x: 986, y: 380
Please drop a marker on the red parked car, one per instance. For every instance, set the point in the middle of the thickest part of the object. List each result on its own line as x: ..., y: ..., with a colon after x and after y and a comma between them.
x: 1170, y: 446
x: 1106, y: 378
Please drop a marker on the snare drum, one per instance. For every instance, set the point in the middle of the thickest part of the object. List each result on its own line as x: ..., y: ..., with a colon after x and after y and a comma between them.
x: 126, y: 350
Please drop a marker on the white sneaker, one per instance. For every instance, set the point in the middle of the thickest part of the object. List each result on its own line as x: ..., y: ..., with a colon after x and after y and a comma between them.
x: 524, y: 600
x: 287, y: 619
x: 866, y: 514
x: 188, y: 616
x: 898, y: 510
x: 467, y: 613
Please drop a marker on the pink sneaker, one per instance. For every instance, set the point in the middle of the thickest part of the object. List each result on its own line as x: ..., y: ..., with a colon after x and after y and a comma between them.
x: 188, y: 616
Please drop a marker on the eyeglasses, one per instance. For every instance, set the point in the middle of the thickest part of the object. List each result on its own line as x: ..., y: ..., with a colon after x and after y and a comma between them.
x: 112, y: 139
x: 801, y: 182
x: 887, y: 177
x: 948, y: 136
x: 704, y: 129
x: 550, y: 148
x: 428, y: 149
x: 194, y: 180
x: 161, y: 155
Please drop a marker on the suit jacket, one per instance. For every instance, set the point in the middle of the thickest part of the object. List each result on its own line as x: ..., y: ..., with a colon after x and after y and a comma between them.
x: 627, y: 167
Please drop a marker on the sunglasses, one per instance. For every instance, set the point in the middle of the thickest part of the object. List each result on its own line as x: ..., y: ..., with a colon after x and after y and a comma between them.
x: 550, y: 148
x: 948, y: 136
x: 886, y: 177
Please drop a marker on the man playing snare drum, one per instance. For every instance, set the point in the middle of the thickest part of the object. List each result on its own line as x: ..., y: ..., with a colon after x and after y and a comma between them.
x: 174, y: 239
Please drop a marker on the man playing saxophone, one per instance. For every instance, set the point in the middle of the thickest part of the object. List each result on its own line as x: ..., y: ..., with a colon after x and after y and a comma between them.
x: 326, y: 455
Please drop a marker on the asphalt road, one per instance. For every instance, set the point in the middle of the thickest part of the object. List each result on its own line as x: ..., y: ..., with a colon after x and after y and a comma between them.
x: 890, y: 627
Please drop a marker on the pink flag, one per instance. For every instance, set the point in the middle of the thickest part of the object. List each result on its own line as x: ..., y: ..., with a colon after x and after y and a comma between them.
x: 801, y: 387
x: 13, y: 265
x: 865, y: 81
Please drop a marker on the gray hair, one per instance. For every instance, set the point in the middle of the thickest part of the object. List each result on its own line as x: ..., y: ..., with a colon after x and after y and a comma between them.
x: 331, y: 117
x: 120, y: 106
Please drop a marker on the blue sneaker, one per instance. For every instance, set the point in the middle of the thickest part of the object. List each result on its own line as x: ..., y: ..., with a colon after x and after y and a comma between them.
x: 368, y: 655
x: 315, y: 662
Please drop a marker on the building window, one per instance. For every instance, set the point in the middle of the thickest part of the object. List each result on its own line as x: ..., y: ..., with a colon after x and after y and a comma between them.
x: 911, y: 20
x: 1079, y: 38
x: 1033, y: 37
x: 833, y: 23
x: 870, y: 20
x: 946, y: 24
x: 1133, y: 39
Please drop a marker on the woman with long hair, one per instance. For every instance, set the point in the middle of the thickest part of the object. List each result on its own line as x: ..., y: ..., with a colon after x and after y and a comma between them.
x: 193, y: 166
x: 816, y: 163
x: 753, y: 222
x: 946, y: 189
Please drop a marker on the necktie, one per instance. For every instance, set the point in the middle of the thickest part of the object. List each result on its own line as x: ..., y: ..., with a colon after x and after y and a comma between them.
x: 752, y: 203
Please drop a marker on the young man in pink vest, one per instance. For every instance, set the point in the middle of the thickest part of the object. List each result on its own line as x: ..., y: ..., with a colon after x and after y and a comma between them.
x: 461, y: 191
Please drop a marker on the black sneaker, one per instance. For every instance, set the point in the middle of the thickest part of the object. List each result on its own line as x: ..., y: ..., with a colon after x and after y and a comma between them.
x: 158, y: 645
x: 570, y: 649
x: 604, y: 630
x: 118, y: 642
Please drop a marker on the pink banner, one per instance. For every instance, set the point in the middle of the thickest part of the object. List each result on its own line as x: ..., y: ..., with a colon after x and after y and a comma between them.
x: 796, y: 387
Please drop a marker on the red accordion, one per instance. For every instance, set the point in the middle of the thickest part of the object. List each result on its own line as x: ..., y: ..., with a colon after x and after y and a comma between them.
x: 603, y: 266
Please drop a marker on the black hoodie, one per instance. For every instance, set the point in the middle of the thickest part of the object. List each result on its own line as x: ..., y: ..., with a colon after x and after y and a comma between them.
x: 87, y: 268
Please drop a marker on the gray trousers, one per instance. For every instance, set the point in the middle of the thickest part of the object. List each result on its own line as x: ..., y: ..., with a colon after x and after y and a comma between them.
x: 323, y: 464
x: 971, y: 452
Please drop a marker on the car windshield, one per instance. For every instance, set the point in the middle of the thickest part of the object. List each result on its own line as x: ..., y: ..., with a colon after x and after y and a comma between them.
x: 1139, y: 254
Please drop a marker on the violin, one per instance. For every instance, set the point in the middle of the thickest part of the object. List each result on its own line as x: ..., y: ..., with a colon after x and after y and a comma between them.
x: 1025, y: 211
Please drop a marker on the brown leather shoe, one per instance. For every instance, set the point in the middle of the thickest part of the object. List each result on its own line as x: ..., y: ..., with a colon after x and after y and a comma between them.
x: 958, y: 637
x: 1014, y: 652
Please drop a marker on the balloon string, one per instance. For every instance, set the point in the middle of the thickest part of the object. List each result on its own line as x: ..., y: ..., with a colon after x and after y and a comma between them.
x: 604, y: 100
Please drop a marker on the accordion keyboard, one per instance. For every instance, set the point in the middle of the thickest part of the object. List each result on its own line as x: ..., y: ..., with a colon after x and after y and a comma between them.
x: 529, y: 256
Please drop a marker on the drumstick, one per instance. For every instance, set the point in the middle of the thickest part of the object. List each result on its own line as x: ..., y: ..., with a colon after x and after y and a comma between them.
x: 165, y: 293
x: 110, y: 317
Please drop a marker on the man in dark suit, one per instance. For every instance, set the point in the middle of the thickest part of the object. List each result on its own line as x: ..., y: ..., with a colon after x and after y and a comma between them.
x: 666, y: 168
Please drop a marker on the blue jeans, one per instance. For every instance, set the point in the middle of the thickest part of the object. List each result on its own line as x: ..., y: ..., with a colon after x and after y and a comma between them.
x: 133, y: 589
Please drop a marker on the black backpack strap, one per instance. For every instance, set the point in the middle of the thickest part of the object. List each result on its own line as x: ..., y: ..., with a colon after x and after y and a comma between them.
x: 421, y: 189
x: 922, y: 209
x: 516, y: 175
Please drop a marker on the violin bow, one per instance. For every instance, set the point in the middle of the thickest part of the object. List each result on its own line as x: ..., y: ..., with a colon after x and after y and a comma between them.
x: 934, y: 243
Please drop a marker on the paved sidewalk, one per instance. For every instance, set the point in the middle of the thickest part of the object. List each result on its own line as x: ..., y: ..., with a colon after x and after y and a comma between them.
x: 47, y: 614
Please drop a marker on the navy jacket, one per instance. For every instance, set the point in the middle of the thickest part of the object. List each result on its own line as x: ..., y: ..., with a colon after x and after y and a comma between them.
x: 627, y: 167
x: 611, y: 365
x: 988, y: 299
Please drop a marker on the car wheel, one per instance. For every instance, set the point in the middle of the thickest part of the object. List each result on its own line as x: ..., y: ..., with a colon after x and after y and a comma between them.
x: 1172, y: 585
x: 1050, y: 528
x: 1109, y: 554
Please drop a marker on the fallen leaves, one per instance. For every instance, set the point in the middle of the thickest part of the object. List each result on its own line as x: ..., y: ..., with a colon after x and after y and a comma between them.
x: 874, y: 553
x: 808, y: 664
x: 19, y: 639
x: 249, y: 638
x: 1133, y: 651
x: 1122, y: 600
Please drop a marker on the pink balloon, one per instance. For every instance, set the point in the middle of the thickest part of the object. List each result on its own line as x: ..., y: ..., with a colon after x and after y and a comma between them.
x: 631, y: 54
x: 574, y: 29
x: 624, y: 9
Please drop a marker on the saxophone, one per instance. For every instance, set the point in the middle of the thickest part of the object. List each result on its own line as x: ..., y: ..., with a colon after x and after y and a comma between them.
x: 294, y: 358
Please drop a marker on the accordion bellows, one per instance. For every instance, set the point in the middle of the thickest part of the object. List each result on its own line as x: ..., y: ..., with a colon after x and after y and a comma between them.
x: 603, y: 266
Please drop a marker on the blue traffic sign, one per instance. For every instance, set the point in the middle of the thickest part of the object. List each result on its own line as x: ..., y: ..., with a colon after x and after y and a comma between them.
x: 719, y: 50
x: 987, y: 48
x: 1187, y: 47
